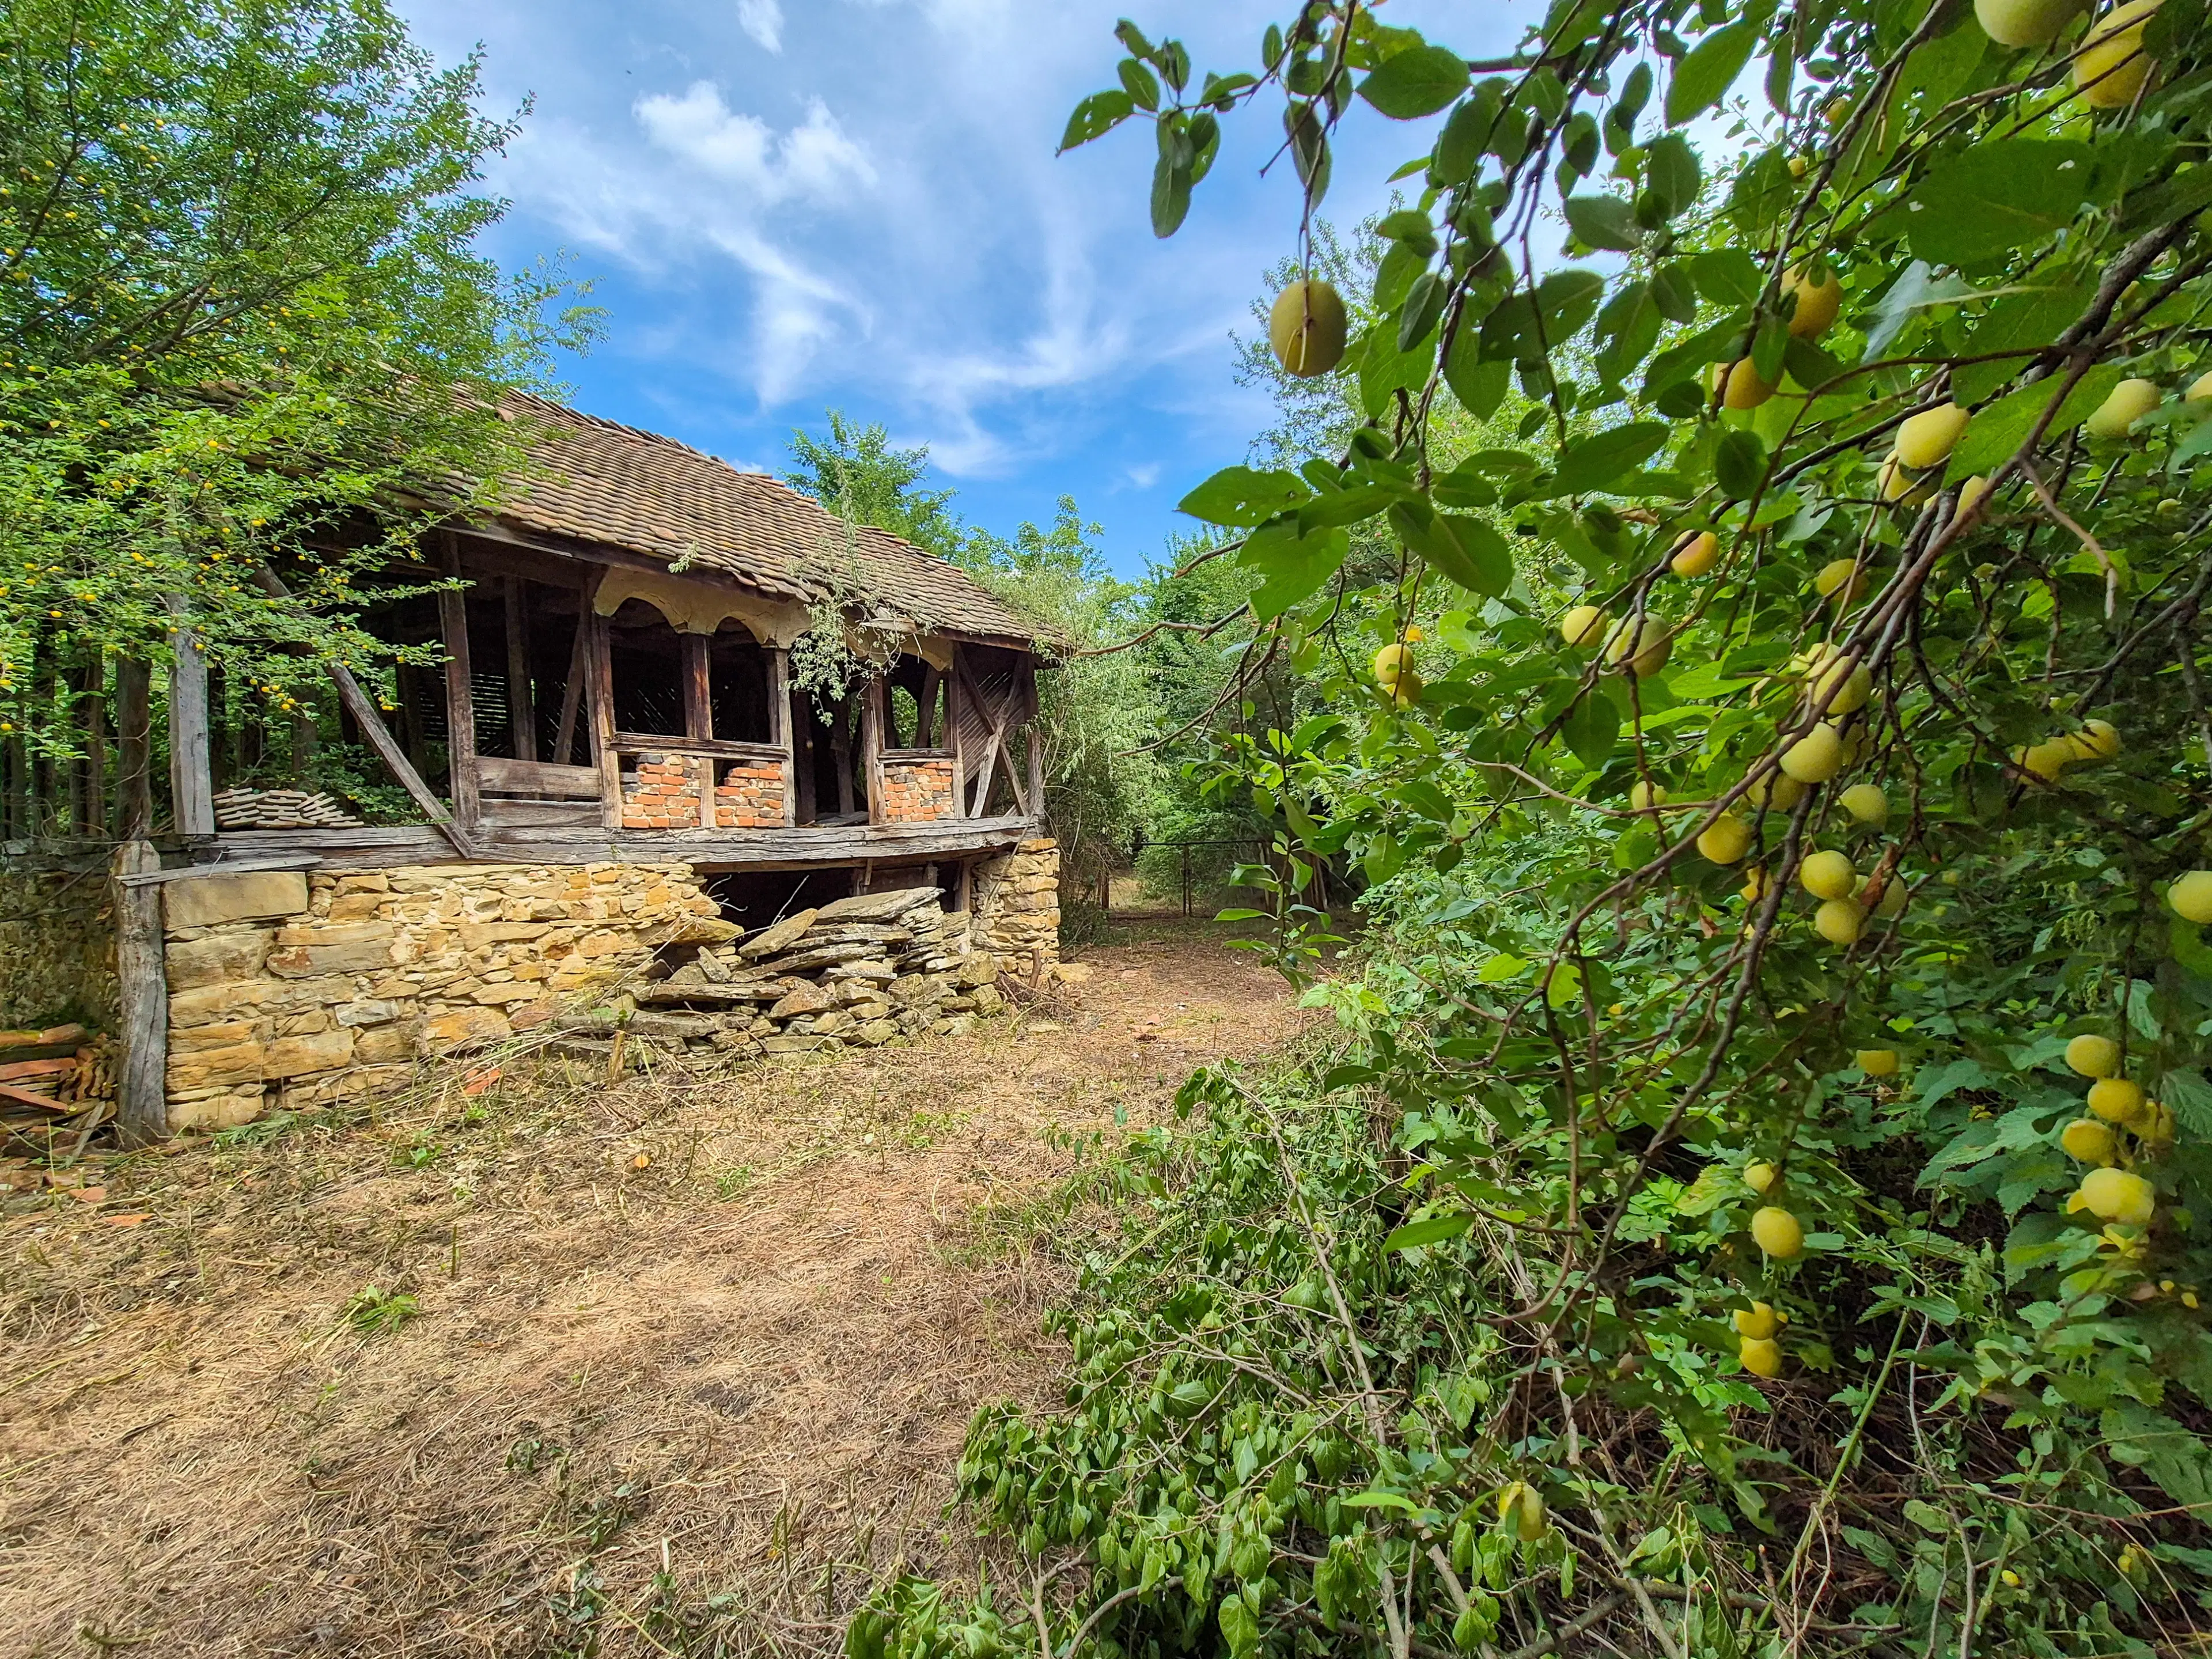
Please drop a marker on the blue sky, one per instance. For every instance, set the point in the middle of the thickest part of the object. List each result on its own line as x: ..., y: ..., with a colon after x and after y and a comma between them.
x: 794, y: 205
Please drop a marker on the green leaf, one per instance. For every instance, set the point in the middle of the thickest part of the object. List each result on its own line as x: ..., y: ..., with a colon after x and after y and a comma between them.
x: 1591, y: 730
x: 1415, y: 83
x: 1999, y: 428
x: 1424, y: 305
x: 1604, y: 221
x: 1098, y: 114
x: 1686, y: 357
x: 2023, y: 322
x: 1332, y: 507
x: 1739, y: 463
x: 1295, y: 566
x: 1565, y: 301
x: 1703, y: 77
x: 1480, y: 385
x: 1597, y: 460
x: 1997, y: 199
x: 1671, y: 173
x: 1432, y: 1230
x: 1463, y: 549
x: 1727, y: 277
x: 2168, y: 200
x: 1142, y: 85
x: 1171, y: 196
x: 1239, y: 496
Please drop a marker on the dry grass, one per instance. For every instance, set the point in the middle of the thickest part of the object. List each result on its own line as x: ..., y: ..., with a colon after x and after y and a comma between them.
x: 687, y: 1367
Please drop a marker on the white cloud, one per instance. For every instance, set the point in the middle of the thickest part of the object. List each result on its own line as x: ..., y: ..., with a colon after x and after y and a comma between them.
x: 813, y: 159
x: 1144, y: 476
x: 764, y: 20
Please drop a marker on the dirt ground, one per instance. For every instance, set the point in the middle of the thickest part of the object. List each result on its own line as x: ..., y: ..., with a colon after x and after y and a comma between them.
x: 673, y: 1367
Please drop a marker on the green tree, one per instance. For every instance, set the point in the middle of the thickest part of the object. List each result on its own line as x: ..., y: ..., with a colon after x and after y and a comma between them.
x: 1787, y: 841
x: 243, y: 323
x: 857, y: 472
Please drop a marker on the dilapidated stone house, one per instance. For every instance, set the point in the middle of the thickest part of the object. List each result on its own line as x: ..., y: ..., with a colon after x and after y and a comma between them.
x: 616, y: 770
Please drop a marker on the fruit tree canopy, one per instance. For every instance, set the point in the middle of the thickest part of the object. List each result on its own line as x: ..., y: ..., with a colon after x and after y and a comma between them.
x: 597, y: 480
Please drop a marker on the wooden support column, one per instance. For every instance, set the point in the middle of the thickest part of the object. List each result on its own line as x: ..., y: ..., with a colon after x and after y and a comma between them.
x: 460, y: 697
x: 572, y: 692
x: 952, y: 706
x: 802, y: 755
x: 599, y: 655
x: 873, y: 696
x: 780, y: 727
x: 133, y: 721
x: 924, y: 723
x: 698, y: 691
x: 191, y: 786
x: 521, y: 707
x: 143, y: 1089
x: 840, y: 752
x: 1036, y: 743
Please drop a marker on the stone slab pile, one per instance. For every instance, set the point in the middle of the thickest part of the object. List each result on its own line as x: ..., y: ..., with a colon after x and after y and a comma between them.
x: 858, y: 972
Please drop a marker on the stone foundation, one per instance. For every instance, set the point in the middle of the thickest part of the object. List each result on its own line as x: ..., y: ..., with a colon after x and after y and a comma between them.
x: 1017, y: 903
x: 290, y: 991
x: 56, y: 950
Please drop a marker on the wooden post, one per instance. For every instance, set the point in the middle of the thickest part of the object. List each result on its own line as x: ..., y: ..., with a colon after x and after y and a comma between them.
x: 601, y: 652
x: 133, y: 721
x: 460, y: 698
x: 841, y: 751
x: 572, y: 691
x: 873, y: 697
x: 698, y: 692
x: 223, y: 769
x: 802, y: 755
x: 143, y: 1089
x: 952, y: 702
x: 925, y: 721
x: 1035, y: 802
x: 521, y: 707
x: 779, y: 727
x: 192, y: 788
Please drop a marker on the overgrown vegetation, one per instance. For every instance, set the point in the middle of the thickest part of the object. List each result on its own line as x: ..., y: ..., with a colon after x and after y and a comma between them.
x: 243, y: 323
x: 1753, y: 657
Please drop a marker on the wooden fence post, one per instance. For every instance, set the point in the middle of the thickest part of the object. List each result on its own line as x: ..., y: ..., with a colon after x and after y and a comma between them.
x: 143, y: 1089
x: 192, y: 789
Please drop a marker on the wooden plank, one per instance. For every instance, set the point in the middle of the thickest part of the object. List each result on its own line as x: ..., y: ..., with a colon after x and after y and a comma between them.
x: 874, y: 695
x: 460, y: 700
x: 143, y: 1085
x: 222, y: 868
x: 779, y: 727
x: 500, y: 814
x: 134, y: 722
x: 191, y: 783
x: 953, y: 695
x: 698, y: 697
x: 604, y: 755
x: 571, y: 695
x: 1034, y: 805
x: 805, y: 847
x: 355, y: 701
x: 925, y: 722
x: 539, y: 777
x: 521, y: 707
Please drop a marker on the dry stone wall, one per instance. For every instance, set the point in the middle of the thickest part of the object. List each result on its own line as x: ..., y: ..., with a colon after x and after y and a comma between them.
x: 56, y: 950
x: 1016, y: 900
x: 290, y: 991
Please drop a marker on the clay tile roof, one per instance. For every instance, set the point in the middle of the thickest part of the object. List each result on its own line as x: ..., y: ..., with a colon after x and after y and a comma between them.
x: 613, y: 484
